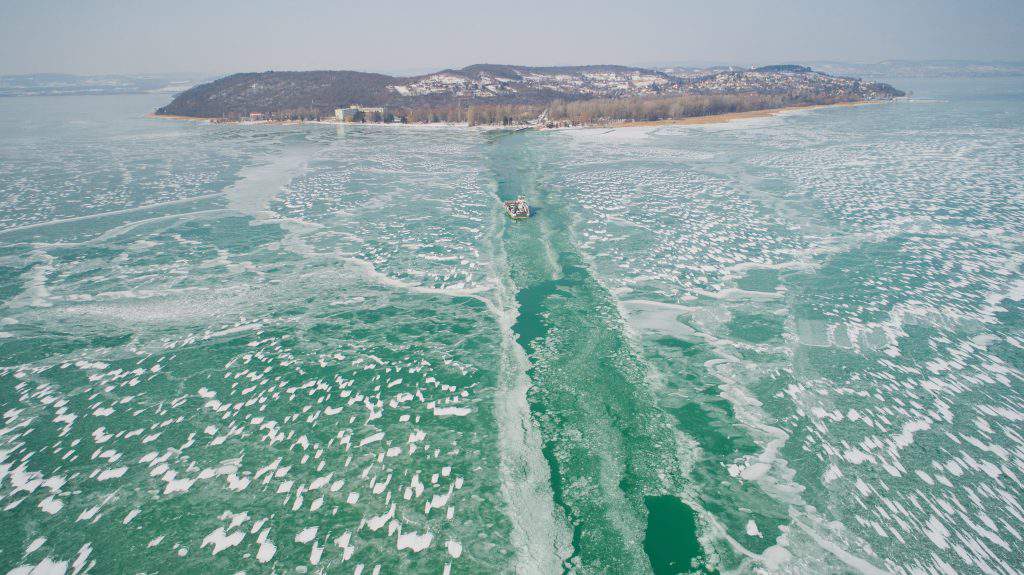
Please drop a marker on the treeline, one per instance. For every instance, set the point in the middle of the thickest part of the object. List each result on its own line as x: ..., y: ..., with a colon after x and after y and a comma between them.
x: 424, y: 114
x: 474, y: 115
x: 677, y: 107
x: 291, y: 114
x: 581, y: 112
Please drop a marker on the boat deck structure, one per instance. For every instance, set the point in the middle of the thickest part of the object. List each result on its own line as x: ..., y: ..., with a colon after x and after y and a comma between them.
x: 518, y: 209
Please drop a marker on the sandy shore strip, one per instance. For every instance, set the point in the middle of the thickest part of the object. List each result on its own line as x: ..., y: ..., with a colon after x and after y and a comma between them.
x: 722, y: 118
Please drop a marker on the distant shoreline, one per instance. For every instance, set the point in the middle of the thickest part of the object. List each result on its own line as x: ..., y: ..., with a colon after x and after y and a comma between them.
x: 154, y: 115
x: 173, y: 117
x: 691, y: 121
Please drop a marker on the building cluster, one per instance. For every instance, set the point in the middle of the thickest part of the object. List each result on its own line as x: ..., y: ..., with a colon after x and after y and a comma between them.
x: 355, y: 113
x: 481, y: 85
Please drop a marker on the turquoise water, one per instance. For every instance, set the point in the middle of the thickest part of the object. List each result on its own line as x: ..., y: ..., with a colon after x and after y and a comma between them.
x: 782, y: 345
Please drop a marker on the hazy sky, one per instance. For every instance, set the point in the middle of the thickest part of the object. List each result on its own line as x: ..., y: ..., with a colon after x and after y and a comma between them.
x: 107, y: 36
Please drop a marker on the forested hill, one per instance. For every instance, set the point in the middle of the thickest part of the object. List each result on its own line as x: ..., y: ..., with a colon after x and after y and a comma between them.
x: 273, y: 92
x: 487, y: 86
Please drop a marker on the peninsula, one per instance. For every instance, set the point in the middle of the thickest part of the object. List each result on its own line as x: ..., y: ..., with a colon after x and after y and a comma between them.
x: 519, y: 95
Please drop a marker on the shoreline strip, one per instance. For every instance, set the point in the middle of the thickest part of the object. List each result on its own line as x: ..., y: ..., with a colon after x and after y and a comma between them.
x: 693, y: 120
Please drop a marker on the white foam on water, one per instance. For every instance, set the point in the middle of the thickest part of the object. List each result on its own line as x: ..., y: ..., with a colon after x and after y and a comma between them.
x: 83, y: 554
x: 315, y: 553
x: 454, y: 548
x: 45, y: 567
x: 370, y: 272
x: 452, y: 411
x: 35, y: 290
x: 35, y: 544
x: 775, y: 558
x: 107, y: 474
x: 306, y: 535
x: 657, y: 318
x: 51, y: 505
x: 414, y: 541
x: 266, y: 550
x: 259, y: 185
x: 221, y: 540
x: 232, y: 330
x: 852, y: 561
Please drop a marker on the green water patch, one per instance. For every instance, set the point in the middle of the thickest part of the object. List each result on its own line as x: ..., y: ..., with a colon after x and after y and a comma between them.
x: 31, y: 344
x: 512, y: 165
x: 708, y: 424
x: 532, y: 326
x: 832, y: 363
x: 1013, y: 317
x: 79, y: 254
x: 670, y: 540
x: 710, y: 421
x: 11, y: 283
x: 859, y: 279
x: 764, y: 280
x: 232, y: 234
x: 687, y: 347
x: 755, y: 327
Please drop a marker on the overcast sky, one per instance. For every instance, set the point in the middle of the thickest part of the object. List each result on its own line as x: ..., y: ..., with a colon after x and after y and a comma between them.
x: 142, y: 36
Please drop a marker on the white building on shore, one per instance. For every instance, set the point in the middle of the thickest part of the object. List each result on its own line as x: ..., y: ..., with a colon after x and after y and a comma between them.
x: 357, y: 113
